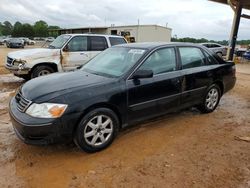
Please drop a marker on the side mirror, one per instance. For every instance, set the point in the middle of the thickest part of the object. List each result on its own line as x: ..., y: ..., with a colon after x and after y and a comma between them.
x: 143, y: 74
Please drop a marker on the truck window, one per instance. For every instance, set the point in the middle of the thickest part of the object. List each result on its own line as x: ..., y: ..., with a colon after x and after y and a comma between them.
x: 191, y: 57
x: 78, y: 43
x: 116, y: 41
x: 98, y: 43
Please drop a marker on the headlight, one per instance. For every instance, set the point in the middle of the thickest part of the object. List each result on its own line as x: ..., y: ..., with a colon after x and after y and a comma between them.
x: 20, y: 61
x: 46, y: 110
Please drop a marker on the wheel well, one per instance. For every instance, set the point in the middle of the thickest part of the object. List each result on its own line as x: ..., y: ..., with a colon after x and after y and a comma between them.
x: 102, y: 105
x: 221, y: 86
x: 52, y: 65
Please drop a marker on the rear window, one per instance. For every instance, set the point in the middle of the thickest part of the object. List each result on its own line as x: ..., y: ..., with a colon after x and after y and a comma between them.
x: 191, y: 57
x: 98, y: 43
x: 116, y: 40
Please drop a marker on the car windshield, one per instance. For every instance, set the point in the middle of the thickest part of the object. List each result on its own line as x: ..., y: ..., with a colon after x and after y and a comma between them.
x: 114, y: 62
x: 15, y: 40
x: 59, y: 41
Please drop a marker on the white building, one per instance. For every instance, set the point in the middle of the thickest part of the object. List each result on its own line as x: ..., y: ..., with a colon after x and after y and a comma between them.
x: 140, y: 33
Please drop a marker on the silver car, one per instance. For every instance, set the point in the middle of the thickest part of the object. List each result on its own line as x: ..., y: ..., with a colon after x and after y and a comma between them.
x: 216, y: 48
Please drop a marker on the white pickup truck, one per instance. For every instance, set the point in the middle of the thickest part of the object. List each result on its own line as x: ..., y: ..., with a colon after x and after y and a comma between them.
x: 65, y: 53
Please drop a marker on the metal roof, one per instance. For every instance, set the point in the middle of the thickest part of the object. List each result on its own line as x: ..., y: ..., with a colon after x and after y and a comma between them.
x: 245, y: 3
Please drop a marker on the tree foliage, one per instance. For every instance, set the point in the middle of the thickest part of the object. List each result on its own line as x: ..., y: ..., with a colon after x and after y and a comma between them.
x: 203, y: 40
x: 39, y: 29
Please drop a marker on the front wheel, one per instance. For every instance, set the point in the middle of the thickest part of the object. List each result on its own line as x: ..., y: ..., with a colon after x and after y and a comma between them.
x: 97, y: 130
x: 41, y: 71
x: 211, y: 99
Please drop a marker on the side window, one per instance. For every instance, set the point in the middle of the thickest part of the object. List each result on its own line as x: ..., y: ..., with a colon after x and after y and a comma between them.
x: 191, y: 57
x: 160, y: 61
x: 216, y: 46
x: 116, y: 40
x: 98, y: 43
x: 210, y: 59
x: 78, y: 44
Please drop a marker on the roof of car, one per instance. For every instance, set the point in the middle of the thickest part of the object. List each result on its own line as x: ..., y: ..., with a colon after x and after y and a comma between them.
x: 91, y: 34
x: 152, y: 45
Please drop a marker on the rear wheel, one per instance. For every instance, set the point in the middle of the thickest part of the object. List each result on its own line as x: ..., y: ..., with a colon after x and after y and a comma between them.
x: 42, y: 70
x: 97, y: 130
x: 211, y: 99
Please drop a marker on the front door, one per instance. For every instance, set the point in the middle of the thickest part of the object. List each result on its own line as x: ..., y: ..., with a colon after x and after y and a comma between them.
x: 75, y: 53
x: 149, y: 97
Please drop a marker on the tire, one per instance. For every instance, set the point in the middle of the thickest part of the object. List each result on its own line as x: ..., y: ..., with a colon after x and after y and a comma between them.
x: 41, y: 71
x: 211, y: 99
x: 91, y: 136
x: 219, y: 54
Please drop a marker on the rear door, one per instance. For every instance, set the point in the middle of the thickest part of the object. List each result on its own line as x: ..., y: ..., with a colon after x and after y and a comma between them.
x: 157, y: 95
x: 96, y: 45
x: 75, y: 53
x: 197, y: 76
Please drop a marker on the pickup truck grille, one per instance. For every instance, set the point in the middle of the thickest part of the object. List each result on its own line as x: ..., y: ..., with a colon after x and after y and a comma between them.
x: 10, y: 61
x: 22, y: 103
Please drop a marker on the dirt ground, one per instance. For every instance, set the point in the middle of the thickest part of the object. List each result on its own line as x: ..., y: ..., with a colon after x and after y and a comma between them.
x: 185, y: 149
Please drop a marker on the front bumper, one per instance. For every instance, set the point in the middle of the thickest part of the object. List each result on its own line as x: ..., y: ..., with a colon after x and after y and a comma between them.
x: 36, y: 131
x: 15, y: 70
x: 15, y: 67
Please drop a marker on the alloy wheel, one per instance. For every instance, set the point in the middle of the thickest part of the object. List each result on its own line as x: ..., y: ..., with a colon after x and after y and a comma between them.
x: 98, y: 130
x: 212, y: 98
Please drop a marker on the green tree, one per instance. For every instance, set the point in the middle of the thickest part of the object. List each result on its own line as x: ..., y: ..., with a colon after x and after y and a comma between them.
x: 52, y: 30
x: 1, y: 29
x: 41, y: 29
x: 17, y: 29
x: 27, y: 30
x: 7, y: 28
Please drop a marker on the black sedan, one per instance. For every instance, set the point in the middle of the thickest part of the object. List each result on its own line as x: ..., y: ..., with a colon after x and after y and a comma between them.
x: 15, y: 43
x: 121, y: 86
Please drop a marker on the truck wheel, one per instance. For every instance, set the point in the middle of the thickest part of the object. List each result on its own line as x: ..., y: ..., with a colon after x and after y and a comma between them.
x: 211, y: 99
x: 96, y: 130
x: 41, y: 71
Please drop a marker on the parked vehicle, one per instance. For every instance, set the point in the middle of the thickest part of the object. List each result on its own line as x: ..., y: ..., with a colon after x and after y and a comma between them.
x: 27, y: 41
x: 31, y: 42
x: 1, y: 41
x: 15, y: 43
x: 66, y: 53
x: 50, y: 39
x: 216, y: 48
x: 121, y: 86
x: 246, y: 55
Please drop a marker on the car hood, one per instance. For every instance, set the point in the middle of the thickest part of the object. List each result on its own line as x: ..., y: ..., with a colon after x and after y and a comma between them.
x: 35, y: 53
x: 58, y: 84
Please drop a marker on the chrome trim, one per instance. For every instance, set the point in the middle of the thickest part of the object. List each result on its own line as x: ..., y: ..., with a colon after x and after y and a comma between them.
x: 22, y: 102
x: 153, y: 100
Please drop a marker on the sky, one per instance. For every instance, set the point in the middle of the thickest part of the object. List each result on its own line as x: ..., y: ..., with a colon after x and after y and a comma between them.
x: 187, y: 18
